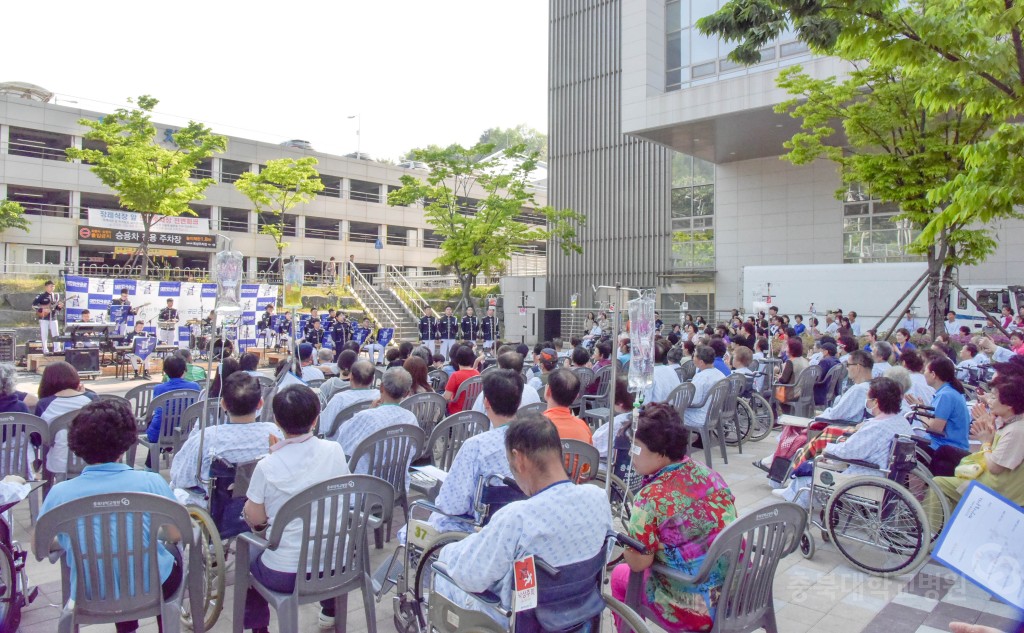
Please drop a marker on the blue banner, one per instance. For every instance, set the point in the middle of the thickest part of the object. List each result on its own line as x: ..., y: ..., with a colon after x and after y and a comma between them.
x: 170, y: 289
x: 123, y: 283
x: 76, y: 284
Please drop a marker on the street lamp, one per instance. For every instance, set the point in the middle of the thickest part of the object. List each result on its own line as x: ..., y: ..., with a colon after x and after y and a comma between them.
x: 359, y: 134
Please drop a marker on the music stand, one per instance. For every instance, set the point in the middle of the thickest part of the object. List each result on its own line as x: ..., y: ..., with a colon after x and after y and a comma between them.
x: 359, y: 335
x: 384, y: 336
x: 142, y: 347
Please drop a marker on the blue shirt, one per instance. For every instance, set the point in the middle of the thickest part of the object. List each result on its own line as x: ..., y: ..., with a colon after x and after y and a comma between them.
x: 98, y: 479
x: 153, y: 432
x: 721, y: 366
x: 799, y: 328
x: 950, y: 406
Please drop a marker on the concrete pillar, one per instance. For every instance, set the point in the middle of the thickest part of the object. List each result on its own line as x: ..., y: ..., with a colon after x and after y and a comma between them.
x: 300, y: 226
x: 346, y: 187
x: 215, y: 169
x: 254, y: 221
x: 384, y: 194
x: 214, y: 218
x: 412, y: 238
x: 75, y: 210
x: 5, y: 137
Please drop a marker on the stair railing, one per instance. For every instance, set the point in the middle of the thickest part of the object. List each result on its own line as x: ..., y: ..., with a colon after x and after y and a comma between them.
x: 406, y: 294
x: 363, y: 289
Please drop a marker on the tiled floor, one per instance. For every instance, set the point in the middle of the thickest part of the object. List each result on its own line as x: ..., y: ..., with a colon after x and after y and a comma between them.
x: 821, y: 594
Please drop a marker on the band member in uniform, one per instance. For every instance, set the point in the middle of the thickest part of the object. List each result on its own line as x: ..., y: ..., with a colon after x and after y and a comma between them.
x: 490, y: 328
x: 341, y: 332
x: 138, y: 331
x: 313, y: 332
x: 168, y: 315
x: 314, y: 315
x: 470, y: 326
x: 267, y: 327
x: 373, y: 348
x: 122, y: 325
x: 448, y: 329
x: 285, y: 329
x: 47, y: 305
x: 428, y: 328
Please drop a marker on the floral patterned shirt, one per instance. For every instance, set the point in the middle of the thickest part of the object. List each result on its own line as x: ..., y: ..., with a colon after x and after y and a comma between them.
x: 677, y: 515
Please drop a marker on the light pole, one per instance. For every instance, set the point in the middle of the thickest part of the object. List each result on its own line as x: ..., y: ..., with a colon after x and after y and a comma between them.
x: 359, y: 134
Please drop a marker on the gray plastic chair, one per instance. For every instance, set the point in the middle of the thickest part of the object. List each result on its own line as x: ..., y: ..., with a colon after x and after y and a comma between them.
x: 834, y: 379
x: 16, y: 449
x: 139, y: 398
x: 803, y: 406
x: 580, y: 460
x: 751, y: 547
x: 712, y: 427
x: 538, y: 407
x: 109, y: 397
x: 75, y: 463
x: 266, y: 381
x: 190, y: 418
x: 686, y: 371
x: 107, y: 519
x: 344, y: 416
x: 337, y: 549
x: 429, y: 409
x: 594, y: 408
x: 387, y: 454
x: 315, y: 383
x: 438, y: 379
x: 448, y: 437
x: 173, y: 405
x: 730, y: 409
x: 471, y: 388
x: 681, y: 397
x: 586, y: 376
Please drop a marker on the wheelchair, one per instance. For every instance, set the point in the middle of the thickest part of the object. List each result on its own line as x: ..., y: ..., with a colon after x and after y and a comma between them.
x: 884, y: 525
x: 569, y: 599
x: 755, y: 418
x: 15, y: 591
x: 409, y: 568
x: 216, y: 526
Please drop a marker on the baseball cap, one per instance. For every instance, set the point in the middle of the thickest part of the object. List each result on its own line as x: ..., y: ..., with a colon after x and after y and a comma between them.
x: 305, y: 351
x: 548, y: 357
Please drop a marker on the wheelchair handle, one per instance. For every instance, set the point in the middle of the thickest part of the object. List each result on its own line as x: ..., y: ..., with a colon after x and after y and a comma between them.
x: 630, y: 542
x: 511, y: 483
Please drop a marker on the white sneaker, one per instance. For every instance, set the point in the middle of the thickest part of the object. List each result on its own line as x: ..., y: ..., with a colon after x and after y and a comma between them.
x: 325, y: 621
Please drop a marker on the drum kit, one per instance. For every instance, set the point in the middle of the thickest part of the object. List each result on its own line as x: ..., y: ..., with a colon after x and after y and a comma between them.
x: 200, y: 333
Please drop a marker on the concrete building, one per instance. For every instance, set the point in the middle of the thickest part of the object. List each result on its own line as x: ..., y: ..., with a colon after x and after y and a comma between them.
x: 702, y: 145
x: 349, y: 217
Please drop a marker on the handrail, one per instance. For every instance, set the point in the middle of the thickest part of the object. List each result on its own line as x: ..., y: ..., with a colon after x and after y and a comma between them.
x: 404, y: 287
x: 365, y: 286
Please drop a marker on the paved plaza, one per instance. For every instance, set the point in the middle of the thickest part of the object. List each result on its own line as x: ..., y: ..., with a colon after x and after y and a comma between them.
x: 823, y: 593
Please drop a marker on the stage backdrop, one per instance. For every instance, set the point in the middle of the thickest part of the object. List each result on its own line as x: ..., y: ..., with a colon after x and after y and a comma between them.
x: 192, y: 300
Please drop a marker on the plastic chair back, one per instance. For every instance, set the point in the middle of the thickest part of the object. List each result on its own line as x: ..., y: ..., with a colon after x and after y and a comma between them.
x: 448, y: 437
x: 804, y: 405
x: 230, y: 483
x: 388, y: 453
x: 586, y: 376
x: 214, y: 415
x: 139, y: 398
x: 172, y: 406
x: 16, y: 430
x: 580, y: 460
x: 471, y: 388
x: 438, y: 379
x: 835, y: 378
x: 681, y: 397
x: 99, y: 527
x: 687, y: 371
x: 429, y: 409
x: 75, y: 463
x: 345, y: 415
x: 533, y: 407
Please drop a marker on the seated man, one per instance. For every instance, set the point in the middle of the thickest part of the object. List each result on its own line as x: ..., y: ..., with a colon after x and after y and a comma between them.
x: 880, y: 354
x: 828, y: 361
x: 325, y: 362
x: 481, y: 455
x: 508, y: 359
x: 547, y: 362
x: 849, y: 407
x: 309, y: 371
x: 563, y: 387
x: 174, y: 367
x: 969, y: 359
x: 250, y: 363
x: 706, y: 377
x: 665, y: 378
x: 361, y: 378
x: 870, y: 441
x: 299, y: 461
x: 336, y: 384
x: 100, y: 434
x: 242, y: 439
x: 560, y: 522
x: 394, y: 387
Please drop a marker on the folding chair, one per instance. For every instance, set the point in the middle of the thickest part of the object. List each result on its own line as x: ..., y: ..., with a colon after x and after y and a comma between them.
x: 17, y: 449
x: 470, y: 388
x: 429, y: 409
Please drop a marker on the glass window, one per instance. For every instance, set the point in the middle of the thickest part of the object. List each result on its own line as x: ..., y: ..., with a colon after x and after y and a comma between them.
x: 704, y: 47
x: 703, y: 200
x: 703, y: 172
x: 702, y: 8
x: 704, y: 70
x: 792, y: 48
x: 42, y: 256
x: 673, y: 16
x: 682, y: 203
x: 672, y: 52
x: 682, y: 170
x: 871, y: 230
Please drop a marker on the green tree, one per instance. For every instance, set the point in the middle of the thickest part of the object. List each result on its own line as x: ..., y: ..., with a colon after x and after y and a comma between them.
x: 482, y: 240
x: 959, y: 55
x: 283, y: 184
x: 12, y: 216
x: 903, y: 153
x: 519, y: 135
x: 150, y: 179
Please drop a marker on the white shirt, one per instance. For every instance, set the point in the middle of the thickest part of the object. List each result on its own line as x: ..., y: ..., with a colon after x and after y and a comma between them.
x: 703, y: 381
x: 909, y: 324
x: 530, y: 396
x: 872, y: 442
x: 919, y: 388
x: 342, y: 401
x: 480, y: 456
x: 563, y: 524
x: 366, y: 423
x: 665, y: 380
x: 600, y: 438
x: 855, y: 328
x: 57, y: 457
x: 309, y: 372
x: 850, y: 406
x: 236, y: 443
x: 879, y: 368
x: 952, y: 327
x: 1001, y: 355
x: 283, y: 474
x: 832, y: 328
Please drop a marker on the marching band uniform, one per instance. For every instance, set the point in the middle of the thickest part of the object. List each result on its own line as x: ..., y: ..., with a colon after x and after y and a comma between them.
x: 470, y: 326
x: 312, y: 334
x: 168, y: 337
x: 285, y: 329
x: 340, y: 334
x: 267, y: 329
x: 122, y: 326
x: 490, y: 329
x: 48, y: 322
x: 428, y: 328
x: 447, y: 329
x: 373, y: 347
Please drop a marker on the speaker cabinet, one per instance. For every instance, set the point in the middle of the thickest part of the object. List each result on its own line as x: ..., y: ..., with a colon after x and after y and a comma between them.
x: 83, y: 359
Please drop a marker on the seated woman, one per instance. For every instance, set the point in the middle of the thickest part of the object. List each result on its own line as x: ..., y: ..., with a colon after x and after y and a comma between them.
x: 792, y: 368
x: 10, y: 400
x: 60, y: 392
x: 1001, y: 432
x: 100, y: 434
x: 677, y: 516
x: 948, y: 428
x: 870, y: 441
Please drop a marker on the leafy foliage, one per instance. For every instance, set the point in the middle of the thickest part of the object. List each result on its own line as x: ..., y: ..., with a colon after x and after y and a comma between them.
x: 281, y: 185
x: 500, y: 139
x: 150, y: 179
x: 482, y: 239
x: 12, y: 216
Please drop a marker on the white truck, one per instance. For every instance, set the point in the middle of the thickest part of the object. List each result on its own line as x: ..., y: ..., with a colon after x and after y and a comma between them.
x: 870, y: 290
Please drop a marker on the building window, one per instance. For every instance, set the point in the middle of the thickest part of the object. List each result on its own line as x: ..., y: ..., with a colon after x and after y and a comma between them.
x: 872, y: 232
x: 42, y: 256
x: 693, y: 213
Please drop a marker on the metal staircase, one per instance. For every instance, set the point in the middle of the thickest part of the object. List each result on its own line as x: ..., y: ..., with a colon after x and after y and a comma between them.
x: 385, y: 309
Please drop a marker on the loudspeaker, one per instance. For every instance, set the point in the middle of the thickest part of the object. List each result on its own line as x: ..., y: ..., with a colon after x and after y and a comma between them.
x: 83, y: 359
x: 550, y: 325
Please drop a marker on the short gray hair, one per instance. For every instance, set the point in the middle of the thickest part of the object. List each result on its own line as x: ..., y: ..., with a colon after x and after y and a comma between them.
x: 8, y: 372
x: 396, y: 383
x: 325, y: 354
x: 901, y: 376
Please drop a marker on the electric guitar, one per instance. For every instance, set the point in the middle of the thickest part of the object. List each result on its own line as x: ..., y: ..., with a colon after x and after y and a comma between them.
x: 45, y: 311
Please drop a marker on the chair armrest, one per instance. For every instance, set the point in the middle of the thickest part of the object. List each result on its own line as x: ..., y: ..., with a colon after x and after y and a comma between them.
x: 852, y: 462
x: 426, y: 505
x: 256, y: 541
x: 701, y: 575
x: 487, y: 597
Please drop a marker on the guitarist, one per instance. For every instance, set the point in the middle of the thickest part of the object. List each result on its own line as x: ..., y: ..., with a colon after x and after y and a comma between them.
x: 46, y: 306
x: 122, y: 324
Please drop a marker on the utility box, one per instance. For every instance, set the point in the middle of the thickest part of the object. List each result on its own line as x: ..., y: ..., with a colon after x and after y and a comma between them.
x: 522, y: 299
x: 8, y: 346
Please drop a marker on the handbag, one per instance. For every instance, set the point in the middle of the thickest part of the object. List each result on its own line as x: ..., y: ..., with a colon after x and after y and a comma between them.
x: 780, y: 394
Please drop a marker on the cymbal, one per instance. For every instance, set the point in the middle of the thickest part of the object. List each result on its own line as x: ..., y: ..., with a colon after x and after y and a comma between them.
x: 194, y: 322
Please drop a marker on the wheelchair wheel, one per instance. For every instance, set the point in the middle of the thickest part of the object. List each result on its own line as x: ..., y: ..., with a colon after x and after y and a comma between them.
x: 936, y: 506
x: 214, y: 570
x: 764, y: 418
x: 630, y: 620
x: 807, y: 545
x: 421, y: 579
x: 878, y: 526
x: 11, y: 598
x: 621, y: 505
x: 737, y: 432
